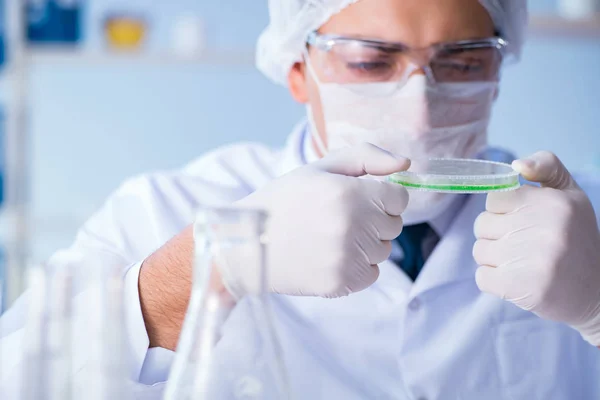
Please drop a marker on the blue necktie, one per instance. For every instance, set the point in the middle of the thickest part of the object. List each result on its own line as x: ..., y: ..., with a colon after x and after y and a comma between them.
x: 411, y: 242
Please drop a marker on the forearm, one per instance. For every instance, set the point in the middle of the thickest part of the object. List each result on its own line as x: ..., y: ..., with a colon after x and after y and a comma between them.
x: 165, y: 284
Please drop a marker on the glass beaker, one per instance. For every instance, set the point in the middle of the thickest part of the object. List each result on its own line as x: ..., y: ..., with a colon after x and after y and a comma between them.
x: 205, y: 367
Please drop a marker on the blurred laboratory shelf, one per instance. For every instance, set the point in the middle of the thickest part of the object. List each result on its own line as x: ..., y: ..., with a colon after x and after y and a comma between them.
x: 555, y: 25
x: 74, y: 55
x: 539, y: 25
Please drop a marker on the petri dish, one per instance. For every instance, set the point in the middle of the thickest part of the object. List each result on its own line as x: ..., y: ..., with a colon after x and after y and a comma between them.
x: 448, y: 175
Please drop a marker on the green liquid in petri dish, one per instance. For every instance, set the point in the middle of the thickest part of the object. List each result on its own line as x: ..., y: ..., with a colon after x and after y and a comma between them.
x: 458, y: 188
x: 446, y: 175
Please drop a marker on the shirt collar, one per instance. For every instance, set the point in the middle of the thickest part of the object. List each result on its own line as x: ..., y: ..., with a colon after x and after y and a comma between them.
x: 308, y: 149
x: 292, y: 155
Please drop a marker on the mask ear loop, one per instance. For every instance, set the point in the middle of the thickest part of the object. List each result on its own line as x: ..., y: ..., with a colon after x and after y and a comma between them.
x: 314, y: 132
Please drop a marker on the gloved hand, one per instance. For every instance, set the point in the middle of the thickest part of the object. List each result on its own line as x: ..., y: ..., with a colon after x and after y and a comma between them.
x: 539, y: 247
x: 327, y: 228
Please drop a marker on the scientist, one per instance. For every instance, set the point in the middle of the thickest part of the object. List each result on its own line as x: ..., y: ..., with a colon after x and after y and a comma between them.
x: 363, y: 311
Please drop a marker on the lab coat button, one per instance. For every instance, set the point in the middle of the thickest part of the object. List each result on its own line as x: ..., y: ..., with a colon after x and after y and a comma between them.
x: 414, y: 305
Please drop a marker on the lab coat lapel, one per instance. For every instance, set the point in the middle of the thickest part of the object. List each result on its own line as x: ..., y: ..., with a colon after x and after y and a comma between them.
x: 392, y: 282
x: 452, y: 259
x: 292, y: 154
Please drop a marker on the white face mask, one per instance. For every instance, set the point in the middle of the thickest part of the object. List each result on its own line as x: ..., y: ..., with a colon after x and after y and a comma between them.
x: 417, y: 121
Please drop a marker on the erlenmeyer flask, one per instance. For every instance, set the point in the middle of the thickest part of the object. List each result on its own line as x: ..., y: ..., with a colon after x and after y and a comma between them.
x: 214, y: 359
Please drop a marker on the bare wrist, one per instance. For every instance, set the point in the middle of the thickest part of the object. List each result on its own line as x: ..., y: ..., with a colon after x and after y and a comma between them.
x: 165, y: 285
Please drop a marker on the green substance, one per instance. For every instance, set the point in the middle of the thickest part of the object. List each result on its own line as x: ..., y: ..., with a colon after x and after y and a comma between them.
x: 458, y: 188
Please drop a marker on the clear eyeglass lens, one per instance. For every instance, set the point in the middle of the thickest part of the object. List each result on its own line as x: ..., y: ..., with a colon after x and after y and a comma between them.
x: 352, y: 62
x: 475, y: 64
x: 356, y: 62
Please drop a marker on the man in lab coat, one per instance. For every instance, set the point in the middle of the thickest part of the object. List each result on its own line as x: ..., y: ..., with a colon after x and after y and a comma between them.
x: 363, y: 311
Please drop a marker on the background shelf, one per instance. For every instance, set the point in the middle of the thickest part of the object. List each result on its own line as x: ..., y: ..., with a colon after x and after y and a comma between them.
x: 77, y: 56
x: 539, y: 25
x: 553, y: 25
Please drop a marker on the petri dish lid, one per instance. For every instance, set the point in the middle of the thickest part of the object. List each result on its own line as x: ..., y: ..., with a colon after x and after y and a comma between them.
x: 449, y: 175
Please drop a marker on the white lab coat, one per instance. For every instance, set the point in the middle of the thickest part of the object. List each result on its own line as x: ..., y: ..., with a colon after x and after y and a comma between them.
x: 440, y: 338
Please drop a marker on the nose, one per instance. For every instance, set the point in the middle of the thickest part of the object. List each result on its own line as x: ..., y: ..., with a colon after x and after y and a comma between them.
x: 421, y: 69
x: 418, y: 64
x: 426, y: 72
x: 418, y: 71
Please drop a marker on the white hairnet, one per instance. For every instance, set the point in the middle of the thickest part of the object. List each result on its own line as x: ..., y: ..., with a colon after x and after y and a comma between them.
x: 282, y: 42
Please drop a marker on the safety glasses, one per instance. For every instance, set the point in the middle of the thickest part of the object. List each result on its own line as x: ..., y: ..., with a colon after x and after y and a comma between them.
x: 346, y: 60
